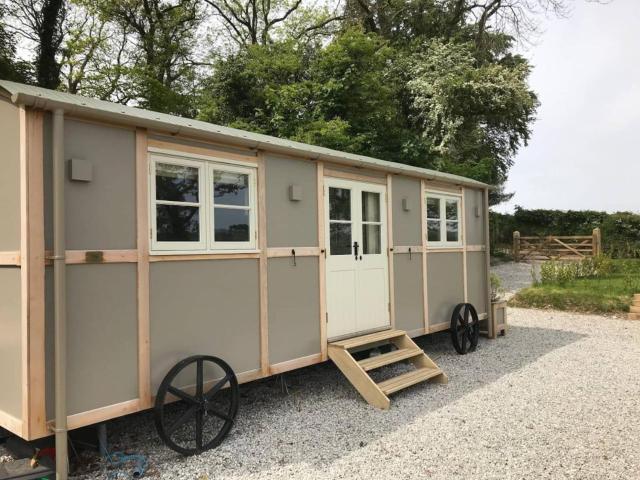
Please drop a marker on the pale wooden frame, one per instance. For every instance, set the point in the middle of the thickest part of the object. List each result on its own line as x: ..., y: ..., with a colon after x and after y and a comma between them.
x: 423, y: 231
x: 322, y: 274
x: 263, y: 266
x: 389, y: 205
x: 443, y: 197
x: 358, y: 177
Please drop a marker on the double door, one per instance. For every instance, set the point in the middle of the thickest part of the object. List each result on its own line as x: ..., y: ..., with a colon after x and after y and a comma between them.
x: 357, y: 279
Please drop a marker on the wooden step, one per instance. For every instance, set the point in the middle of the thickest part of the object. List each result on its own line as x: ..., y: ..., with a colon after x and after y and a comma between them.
x: 407, y: 379
x: 367, y: 339
x: 634, y: 309
x: 633, y: 316
x: 636, y: 296
x: 389, y: 358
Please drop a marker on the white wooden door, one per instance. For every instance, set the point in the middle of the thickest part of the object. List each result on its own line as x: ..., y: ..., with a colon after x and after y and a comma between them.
x: 357, y: 281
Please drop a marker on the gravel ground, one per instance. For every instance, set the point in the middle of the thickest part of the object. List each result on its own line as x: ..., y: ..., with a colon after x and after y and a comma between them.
x: 557, y: 398
x: 515, y: 276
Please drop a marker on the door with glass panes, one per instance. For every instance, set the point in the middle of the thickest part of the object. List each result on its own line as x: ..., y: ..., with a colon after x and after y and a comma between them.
x: 357, y: 280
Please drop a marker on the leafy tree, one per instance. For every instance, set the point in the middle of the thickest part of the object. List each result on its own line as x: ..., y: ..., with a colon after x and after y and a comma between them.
x: 10, y: 68
x: 42, y: 23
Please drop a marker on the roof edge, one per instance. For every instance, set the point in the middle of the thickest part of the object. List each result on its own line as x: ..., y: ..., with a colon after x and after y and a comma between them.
x: 80, y: 106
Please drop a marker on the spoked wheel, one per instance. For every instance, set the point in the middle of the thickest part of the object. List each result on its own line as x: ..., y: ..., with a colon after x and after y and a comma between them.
x: 465, y: 328
x: 206, y: 412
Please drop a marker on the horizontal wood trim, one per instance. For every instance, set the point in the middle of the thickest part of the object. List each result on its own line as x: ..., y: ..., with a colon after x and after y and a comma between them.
x: 475, y: 248
x: 10, y: 258
x: 417, y: 332
x: 405, y: 249
x: 288, y: 252
x: 207, y: 152
x: 432, y: 186
x: 207, y: 256
x: 295, y: 363
x: 11, y: 423
x: 445, y: 249
x: 439, y: 327
x: 79, y: 257
x: 358, y: 177
x: 100, y: 414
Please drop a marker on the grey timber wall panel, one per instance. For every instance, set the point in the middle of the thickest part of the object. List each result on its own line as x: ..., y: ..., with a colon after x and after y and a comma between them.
x: 473, y: 199
x: 10, y: 342
x: 444, y: 285
x: 294, y: 308
x: 406, y: 225
x: 204, y: 307
x: 9, y: 177
x: 100, y: 213
x: 408, y: 291
x: 291, y: 223
x: 102, y: 326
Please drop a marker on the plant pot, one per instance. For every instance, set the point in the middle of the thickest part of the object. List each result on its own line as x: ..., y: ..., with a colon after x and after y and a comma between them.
x: 498, y: 320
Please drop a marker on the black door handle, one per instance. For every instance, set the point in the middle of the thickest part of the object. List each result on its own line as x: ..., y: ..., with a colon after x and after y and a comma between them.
x: 355, y: 249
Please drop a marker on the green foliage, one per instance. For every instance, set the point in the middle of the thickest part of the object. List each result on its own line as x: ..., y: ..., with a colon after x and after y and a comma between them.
x: 496, y: 287
x: 607, y: 289
x: 620, y: 231
x: 555, y: 272
x: 10, y: 68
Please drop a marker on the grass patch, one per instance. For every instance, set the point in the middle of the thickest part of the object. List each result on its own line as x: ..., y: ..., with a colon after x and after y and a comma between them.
x: 608, y: 292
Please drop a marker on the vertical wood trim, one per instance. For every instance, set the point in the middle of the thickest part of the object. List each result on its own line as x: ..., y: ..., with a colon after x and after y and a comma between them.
x: 392, y: 304
x: 24, y: 270
x: 37, y: 424
x: 423, y: 223
x: 262, y: 241
x: 142, y: 219
x: 322, y: 262
x: 487, y: 255
x: 463, y: 232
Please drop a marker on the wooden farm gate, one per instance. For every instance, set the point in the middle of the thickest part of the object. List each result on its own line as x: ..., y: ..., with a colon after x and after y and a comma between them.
x: 553, y: 247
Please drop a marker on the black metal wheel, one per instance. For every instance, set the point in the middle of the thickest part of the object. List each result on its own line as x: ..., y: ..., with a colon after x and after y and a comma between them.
x: 465, y: 328
x: 201, y: 419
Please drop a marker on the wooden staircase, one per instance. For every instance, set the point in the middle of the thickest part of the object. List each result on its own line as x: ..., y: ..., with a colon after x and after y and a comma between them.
x: 634, y: 309
x: 404, y: 348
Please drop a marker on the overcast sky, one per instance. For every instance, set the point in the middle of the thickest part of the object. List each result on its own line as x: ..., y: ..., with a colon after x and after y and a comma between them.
x: 585, y: 149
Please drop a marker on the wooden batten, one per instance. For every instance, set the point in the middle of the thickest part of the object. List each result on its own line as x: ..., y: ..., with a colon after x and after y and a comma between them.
x: 439, y: 327
x: 11, y: 258
x: 407, y: 249
x: 262, y: 241
x: 291, y: 251
x: 142, y: 257
x: 462, y: 230
x: 11, y: 423
x: 436, y: 187
x: 215, y: 151
x: 204, y: 256
x: 322, y: 260
x: 358, y: 177
x: 392, y: 303
x: 487, y: 253
x: 423, y: 230
x: 295, y: 363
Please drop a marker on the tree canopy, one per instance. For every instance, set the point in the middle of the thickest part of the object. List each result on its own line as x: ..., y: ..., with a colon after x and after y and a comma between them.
x: 432, y: 83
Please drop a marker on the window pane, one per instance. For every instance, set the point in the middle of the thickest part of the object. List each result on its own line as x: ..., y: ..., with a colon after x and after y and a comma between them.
x: 433, y: 207
x: 370, y: 207
x: 452, y: 210
x: 339, y: 204
x: 433, y: 230
x: 231, y: 225
x: 230, y: 188
x: 371, y: 239
x: 452, y: 231
x: 176, y: 183
x: 340, y: 238
x: 175, y: 223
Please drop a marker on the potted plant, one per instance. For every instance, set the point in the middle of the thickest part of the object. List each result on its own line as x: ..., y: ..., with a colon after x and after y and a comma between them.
x: 498, y: 321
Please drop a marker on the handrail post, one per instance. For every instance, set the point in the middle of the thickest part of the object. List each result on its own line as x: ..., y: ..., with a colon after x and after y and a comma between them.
x: 516, y: 246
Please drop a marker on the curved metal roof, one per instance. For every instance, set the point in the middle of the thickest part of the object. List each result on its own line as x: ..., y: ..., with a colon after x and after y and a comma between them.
x: 80, y: 106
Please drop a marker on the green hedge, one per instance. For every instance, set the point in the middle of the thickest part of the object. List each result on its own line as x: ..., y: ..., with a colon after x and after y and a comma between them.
x: 620, y: 231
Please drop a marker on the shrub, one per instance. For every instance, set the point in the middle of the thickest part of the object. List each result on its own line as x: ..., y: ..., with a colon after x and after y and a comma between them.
x: 554, y: 272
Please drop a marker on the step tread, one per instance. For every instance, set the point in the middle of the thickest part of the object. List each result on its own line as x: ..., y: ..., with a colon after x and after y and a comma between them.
x: 366, y: 339
x: 634, y: 308
x: 633, y: 316
x: 389, y: 358
x: 407, y: 379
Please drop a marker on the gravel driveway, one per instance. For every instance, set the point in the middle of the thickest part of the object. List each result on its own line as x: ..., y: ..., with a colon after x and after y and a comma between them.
x: 558, y: 397
x: 515, y: 276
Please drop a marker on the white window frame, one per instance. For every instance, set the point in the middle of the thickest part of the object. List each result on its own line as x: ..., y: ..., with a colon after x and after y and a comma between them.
x: 443, y: 242
x: 206, y: 168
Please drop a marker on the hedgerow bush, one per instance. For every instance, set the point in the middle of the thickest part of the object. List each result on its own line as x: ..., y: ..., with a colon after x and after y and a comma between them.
x: 560, y: 273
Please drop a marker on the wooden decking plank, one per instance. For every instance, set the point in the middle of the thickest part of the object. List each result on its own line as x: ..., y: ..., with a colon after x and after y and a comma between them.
x: 406, y: 380
x: 389, y: 358
x: 366, y: 339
